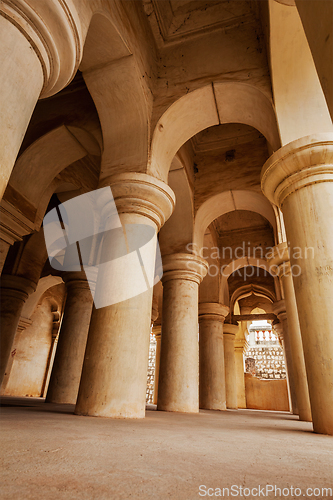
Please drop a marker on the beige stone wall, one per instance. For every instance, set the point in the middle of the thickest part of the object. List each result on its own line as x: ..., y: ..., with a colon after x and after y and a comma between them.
x: 266, y: 394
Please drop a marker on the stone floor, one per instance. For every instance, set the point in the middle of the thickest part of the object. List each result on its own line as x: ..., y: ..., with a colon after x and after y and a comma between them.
x: 49, y: 453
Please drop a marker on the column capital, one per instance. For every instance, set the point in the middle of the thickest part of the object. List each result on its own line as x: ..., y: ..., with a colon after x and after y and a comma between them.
x: 213, y: 311
x: 300, y: 163
x: 141, y: 194
x: 184, y: 266
x: 16, y: 286
x: 76, y: 280
x: 230, y: 330
x: 53, y: 30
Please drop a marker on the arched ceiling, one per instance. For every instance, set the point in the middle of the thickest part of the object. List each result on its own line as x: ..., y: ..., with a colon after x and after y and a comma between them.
x: 243, y: 228
x: 73, y: 106
x: 229, y: 201
x: 227, y: 157
x: 208, y: 106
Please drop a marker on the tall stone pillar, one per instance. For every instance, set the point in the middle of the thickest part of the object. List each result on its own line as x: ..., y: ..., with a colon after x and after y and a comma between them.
x: 14, y: 292
x: 240, y: 346
x: 53, y: 350
x: 229, y: 333
x: 299, y: 179
x: 178, y: 388
x: 157, y: 333
x: 281, y: 330
x: 114, y: 374
x: 40, y: 51
x: 287, y: 313
x: 211, y: 356
x: 68, y: 361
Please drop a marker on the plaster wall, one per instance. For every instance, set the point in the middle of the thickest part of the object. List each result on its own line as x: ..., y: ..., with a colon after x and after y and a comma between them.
x: 266, y: 394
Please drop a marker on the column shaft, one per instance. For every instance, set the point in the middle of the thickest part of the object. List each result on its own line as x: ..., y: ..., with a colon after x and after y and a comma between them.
x: 114, y: 374
x: 21, y: 82
x: 229, y: 333
x: 14, y: 292
x: 41, y: 47
x: 287, y: 313
x: 68, y: 361
x: 211, y: 356
x: 240, y: 379
x: 178, y: 388
x: 299, y: 179
x: 289, y: 363
x: 296, y: 345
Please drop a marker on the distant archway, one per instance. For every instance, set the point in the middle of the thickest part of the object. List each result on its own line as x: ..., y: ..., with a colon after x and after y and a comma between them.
x: 228, y: 201
x: 214, y: 104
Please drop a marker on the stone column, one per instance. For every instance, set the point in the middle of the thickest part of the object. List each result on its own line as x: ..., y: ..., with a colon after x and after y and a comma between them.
x: 281, y: 330
x: 40, y: 51
x: 299, y: 179
x: 240, y: 347
x: 287, y: 313
x: 211, y: 356
x: 178, y: 388
x: 68, y: 361
x: 53, y: 349
x: 114, y: 374
x: 229, y: 333
x: 14, y: 292
x: 157, y: 333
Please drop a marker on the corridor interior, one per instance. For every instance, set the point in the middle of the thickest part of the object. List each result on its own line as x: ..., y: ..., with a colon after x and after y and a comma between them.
x: 166, y: 249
